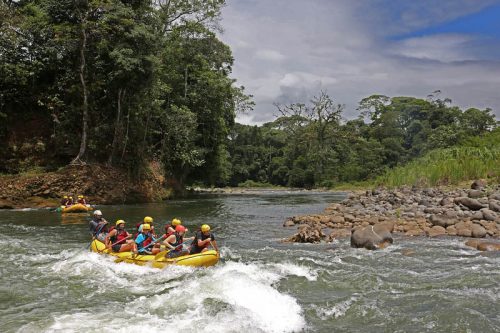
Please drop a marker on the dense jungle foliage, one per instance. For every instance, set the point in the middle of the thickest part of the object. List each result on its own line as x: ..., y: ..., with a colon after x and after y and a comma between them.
x: 118, y: 82
x: 130, y: 82
x: 311, y: 145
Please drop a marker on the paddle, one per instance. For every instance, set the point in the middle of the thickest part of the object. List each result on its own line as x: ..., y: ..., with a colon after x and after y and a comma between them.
x: 163, y: 253
x: 94, y: 235
x: 119, y: 260
x: 120, y: 241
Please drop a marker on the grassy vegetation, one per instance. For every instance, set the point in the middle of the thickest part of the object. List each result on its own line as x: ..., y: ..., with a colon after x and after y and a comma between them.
x: 477, y: 158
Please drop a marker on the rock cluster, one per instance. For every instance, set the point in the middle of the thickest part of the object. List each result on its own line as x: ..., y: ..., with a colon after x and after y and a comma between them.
x: 432, y: 212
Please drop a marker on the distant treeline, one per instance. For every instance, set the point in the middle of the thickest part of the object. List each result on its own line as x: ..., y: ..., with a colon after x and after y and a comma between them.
x: 310, y: 145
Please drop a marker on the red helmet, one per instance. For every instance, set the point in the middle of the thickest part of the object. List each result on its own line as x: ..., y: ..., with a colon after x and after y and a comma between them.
x: 180, y: 228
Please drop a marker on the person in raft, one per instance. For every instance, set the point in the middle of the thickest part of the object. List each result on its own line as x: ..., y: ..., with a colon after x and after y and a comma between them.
x: 146, y: 220
x: 175, y: 241
x: 64, y: 200
x: 81, y: 200
x: 118, y: 240
x: 144, y: 240
x: 170, y: 228
x: 98, y: 226
x: 202, y: 240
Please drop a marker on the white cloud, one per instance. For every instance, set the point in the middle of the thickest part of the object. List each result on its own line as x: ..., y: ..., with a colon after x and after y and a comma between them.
x: 343, y: 47
x: 270, y: 55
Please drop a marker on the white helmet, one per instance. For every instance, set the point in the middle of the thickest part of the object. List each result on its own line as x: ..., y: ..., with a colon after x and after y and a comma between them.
x: 98, y: 212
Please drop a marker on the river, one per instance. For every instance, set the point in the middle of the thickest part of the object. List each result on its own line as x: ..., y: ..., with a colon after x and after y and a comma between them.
x: 50, y: 282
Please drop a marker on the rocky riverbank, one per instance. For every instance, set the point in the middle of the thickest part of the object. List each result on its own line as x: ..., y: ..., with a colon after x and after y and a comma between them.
x: 100, y: 185
x: 431, y: 212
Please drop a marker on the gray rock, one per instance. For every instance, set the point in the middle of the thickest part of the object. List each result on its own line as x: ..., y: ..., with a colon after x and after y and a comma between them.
x: 470, y: 203
x: 446, y: 201
x: 477, y: 215
x: 495, y: 196
x: 436, y: 231
x: 494, y: 206
x: 476, y: 194
x: 372, y: 237
x: 478, y: 231
x: 488, y: 214
x: 442, y: 220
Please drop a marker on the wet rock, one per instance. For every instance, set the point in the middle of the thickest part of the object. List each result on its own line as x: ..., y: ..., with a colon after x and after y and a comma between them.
x: 495, y: 196
x: 483, y: 245
x: 451, y: 230
x: 339, y: 233
x: 415, y: 232
x: 289, y: 223
x: 407, y: 252
x: 372, y: 237
x: 307, y: 234
x: 337, y: 219
x: 478, y: 231
x: 436, y: 231
x: 472, y: 204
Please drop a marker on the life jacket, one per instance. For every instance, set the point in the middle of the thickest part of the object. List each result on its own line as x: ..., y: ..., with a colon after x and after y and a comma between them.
x: 167, y: 232
x: 82, y: 201
x: 200, y: 236
x: 178, y: 240
x: 119, y: 236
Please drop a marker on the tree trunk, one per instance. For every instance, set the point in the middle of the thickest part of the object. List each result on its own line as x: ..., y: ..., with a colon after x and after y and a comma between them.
x: 117, y: 126
x: 83, y: 142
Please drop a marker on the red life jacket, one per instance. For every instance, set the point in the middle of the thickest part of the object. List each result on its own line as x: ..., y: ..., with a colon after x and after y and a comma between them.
x: 120, y: 236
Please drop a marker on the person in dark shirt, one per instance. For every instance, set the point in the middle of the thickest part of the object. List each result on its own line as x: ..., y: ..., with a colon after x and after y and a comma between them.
x: 98, y: 226
x: 202, y: 240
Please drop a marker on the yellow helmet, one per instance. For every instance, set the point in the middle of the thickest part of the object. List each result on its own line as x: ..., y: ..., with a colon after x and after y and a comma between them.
x: 146, y: 226
x: 205, y: 228
x: 148, y: 219
x: 65, y: 197
x: 71, y: 197
x: 119, y: 222
x: 176, y: 222
x: 80, y: 196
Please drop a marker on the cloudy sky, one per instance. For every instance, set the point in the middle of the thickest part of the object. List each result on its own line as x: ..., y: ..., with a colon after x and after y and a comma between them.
x: 288, y: 50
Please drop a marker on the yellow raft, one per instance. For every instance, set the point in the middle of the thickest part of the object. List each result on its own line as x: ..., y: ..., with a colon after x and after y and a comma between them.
x: 204, y: 259
x: 76, y: 208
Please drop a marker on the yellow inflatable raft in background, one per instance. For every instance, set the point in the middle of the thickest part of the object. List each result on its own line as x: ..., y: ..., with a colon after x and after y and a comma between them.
x: 76, y: 208
x: 204, y: 259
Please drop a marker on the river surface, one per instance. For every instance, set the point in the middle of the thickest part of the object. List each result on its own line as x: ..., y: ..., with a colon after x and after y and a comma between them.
x: 50, y: 282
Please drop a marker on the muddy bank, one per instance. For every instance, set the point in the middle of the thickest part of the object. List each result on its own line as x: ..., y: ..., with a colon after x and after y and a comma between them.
x: 99, y: 184
x: 432, y: 212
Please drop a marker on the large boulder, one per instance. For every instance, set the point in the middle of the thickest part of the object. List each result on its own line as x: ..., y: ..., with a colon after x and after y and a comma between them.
x: 373, y: 237
x: 478, y: 231
x: 470, y: 203
x: 476, y: 194
x: 436, y: 231
x: 488, y: 214
x: 442, y: 220
x: 483, y: 245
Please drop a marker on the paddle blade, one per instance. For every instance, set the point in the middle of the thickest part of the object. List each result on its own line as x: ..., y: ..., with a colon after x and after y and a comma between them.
x: 161, y: 254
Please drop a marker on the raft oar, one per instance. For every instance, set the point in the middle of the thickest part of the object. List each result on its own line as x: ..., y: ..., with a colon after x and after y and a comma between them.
x: 163, y: 253
x: 119, y: 260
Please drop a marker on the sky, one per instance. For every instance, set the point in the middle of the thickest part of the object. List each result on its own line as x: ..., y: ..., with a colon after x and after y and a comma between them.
x: 288, y: 51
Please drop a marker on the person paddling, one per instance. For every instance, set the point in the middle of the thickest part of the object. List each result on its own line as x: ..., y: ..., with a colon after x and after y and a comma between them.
x: 144, y: 240
x: 118, y: 240
x: 81, y: 200
x: 98, y: 226
x: 174, y: 242
x: 202, y: 240
x: 170, y: 228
